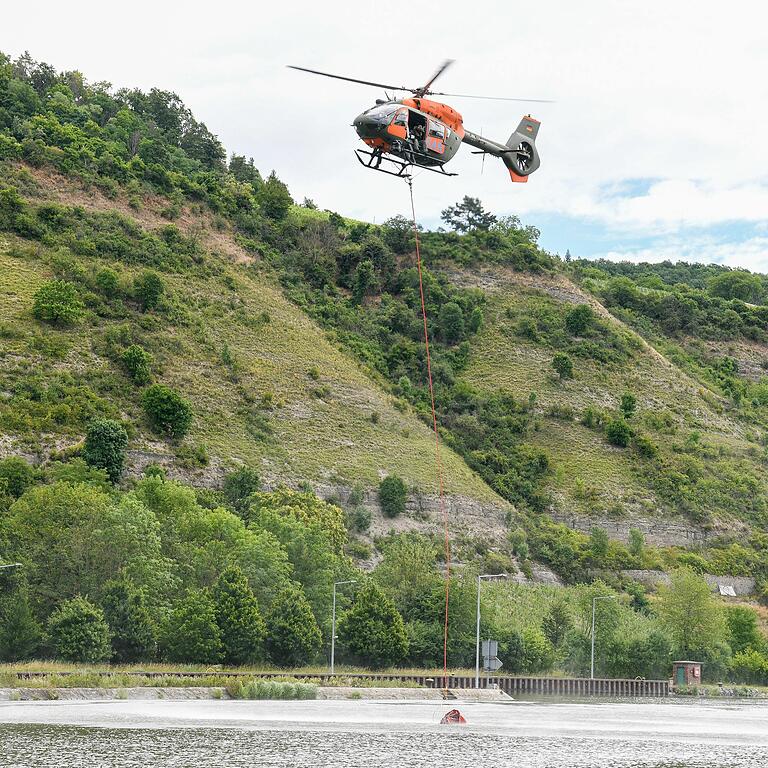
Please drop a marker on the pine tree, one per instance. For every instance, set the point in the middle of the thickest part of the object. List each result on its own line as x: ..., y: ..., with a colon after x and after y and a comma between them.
x: 133, y: 630
x: 293, y: 637
x: 192, y: 634
x: 372, y: 630
x: 19, y: 631
x: 238, y: 618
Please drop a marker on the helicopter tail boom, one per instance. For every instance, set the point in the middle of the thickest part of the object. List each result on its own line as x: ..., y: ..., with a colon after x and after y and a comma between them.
x: 519, y: 154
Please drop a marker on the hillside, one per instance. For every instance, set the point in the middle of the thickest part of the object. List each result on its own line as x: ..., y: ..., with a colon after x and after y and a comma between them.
x: 295, y: 337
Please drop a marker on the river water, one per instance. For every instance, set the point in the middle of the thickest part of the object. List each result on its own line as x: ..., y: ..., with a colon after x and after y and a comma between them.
x: 370, y: 734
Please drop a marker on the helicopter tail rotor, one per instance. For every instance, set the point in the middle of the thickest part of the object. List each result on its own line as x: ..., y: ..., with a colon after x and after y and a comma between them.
x: 522, y: 157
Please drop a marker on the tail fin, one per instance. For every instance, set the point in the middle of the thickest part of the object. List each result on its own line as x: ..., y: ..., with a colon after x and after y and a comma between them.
x: 522, y: 157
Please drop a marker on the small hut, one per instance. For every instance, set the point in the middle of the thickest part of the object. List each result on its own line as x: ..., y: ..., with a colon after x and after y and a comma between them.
x: 686, y: 673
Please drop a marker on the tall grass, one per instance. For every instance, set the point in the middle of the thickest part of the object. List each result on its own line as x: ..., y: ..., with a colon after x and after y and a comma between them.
x: 271, y: 689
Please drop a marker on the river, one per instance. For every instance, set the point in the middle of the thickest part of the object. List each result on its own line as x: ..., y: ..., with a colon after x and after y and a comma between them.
x: 370, y: 734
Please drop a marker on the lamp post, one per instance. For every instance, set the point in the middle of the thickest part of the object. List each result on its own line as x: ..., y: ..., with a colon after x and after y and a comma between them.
x: 477, y: 634
x: 592, y: 661
x: 333, y: 621
x: 10, y: 565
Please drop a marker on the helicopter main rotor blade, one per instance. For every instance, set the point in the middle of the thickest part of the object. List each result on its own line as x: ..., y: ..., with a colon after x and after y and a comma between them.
x: 488, y: 98
x: 350, y: 79
x: 425, y: 89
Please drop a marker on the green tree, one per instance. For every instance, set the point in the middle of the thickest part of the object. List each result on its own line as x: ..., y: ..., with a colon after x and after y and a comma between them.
x: 557, y: 622
x: 476, y: 320
x: 392, y: 496
x: 364, y: 281
x: 239, y: 485
x: 618, y: 432
x: 690, y: 613
x: 451, y: 322
x: 636, y: 542
x: 562, y: 365
x: 192, y: 634
x: 104, y: 448
x: 372, y: 631
x: 598, y: 544
x: 238, y: 618
x: 148, y: 288
x: 467, y: 216
x: 743, y: 632
x: 167, y: 410
x: 736, y: 284
x: 16, y: 475
x: 78, y: 631
x: 273, y: 198
x: 137, y: 363
x: 579, y: 319
x: 628, y: 405
x: 57, y: 302
x: 293, y: 637
x: 134, y: 633
x: 398, y: 234
x: 19, y: 631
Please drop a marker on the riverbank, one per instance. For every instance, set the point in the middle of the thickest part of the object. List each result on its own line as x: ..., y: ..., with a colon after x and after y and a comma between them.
x: 201, y: 693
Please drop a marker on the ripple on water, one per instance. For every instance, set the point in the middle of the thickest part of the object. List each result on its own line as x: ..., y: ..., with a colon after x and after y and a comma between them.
x: 35, y: 746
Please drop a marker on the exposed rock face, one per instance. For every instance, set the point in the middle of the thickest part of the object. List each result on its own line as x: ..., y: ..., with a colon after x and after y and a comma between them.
x: 659, y: 533
x: 742, y: 585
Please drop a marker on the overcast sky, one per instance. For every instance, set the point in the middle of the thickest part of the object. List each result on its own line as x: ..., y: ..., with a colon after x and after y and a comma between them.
x: 655, y: 148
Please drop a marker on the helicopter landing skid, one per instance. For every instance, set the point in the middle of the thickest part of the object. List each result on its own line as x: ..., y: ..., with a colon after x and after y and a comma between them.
x: 374, y: 160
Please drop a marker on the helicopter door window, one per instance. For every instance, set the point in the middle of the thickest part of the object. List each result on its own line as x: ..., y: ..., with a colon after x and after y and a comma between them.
x: 437, y: 130
x: 401, y: 118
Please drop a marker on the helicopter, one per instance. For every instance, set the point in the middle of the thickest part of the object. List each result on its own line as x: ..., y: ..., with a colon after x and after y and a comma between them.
x: 420, y: 132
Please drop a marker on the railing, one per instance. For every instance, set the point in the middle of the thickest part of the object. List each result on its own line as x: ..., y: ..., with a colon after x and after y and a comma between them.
x: 512, y: 685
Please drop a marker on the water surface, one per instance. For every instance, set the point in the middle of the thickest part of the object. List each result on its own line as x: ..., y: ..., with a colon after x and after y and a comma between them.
x: 347, y: 734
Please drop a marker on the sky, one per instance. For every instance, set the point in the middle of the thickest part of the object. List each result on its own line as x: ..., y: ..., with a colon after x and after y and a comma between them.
x: 655, y: 146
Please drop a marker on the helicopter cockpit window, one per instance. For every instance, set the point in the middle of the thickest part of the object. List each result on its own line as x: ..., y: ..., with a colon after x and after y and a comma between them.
x: 401, y: 118
x: 437, y: 130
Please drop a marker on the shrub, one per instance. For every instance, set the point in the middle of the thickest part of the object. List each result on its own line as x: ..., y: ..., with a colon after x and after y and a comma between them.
x: 137, y: 363
x: 16, y: 475
x: 618, y: 432
x: 57, y: 302
x: 451, y: 322
x: 579, y: 319
x: 108, y: 282
x: 274, y: 198
x: 148, y: 287
x: 239, y: 485
x: 392, y: 496
x: 628, y: 405
x: 78, y: 631
x: 105, y: 444
x: 562, y: 365
x: 167, y: 410
x: 646, y: 447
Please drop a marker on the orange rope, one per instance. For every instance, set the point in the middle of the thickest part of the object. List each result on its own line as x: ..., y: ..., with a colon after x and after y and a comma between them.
x: 438, y: 462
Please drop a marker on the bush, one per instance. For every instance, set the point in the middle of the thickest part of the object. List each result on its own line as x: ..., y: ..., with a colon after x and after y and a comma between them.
x: 168, y: 411
x: 137, y: 363
x: 618, y: 432
x: 562, y: 365
x: 239, y: 485
x: 105, y: 444
x: 57, y: 302
x: 148, y: 287
x: 628, y: 405
x: 392, y: 496
x: 274, y: 198
x: 16, y: 475
x: 108, y: 282
x: 77, y: 631
x: 579, y: 319
x: 451, y: 322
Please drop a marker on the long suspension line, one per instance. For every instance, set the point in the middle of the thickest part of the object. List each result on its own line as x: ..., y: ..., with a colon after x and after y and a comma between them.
x: 438, y: 461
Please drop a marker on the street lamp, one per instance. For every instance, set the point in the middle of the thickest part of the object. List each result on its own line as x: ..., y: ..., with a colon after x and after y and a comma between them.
x: 477, y: 635
x: 10, y: 565
x: 592, y: 662
x: 333, y: 620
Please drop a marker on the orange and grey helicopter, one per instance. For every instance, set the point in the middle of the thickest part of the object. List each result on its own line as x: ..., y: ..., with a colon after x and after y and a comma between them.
x: 416, y: 131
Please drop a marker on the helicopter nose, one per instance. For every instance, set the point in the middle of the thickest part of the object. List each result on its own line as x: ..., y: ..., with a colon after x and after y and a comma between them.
x: 366, y: 126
